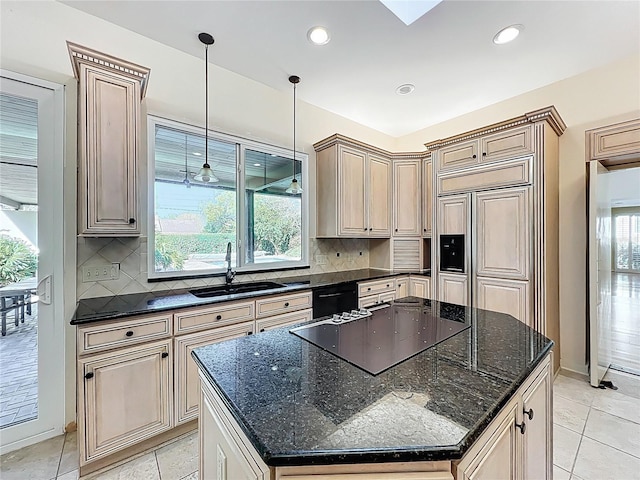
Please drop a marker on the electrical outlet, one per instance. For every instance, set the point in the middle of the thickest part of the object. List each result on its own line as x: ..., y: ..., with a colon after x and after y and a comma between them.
x: 99, y: 273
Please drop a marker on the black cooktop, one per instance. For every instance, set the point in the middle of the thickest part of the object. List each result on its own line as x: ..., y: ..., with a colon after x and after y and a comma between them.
x: 390, y: 335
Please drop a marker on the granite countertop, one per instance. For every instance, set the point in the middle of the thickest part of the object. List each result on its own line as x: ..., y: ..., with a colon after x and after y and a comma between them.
x: 119, y: 306
x: 300, y: 405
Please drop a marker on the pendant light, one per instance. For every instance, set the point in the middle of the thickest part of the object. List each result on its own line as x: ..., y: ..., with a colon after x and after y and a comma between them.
x: 206, y: 174
x: 186, y: 181
x: 295, y: 187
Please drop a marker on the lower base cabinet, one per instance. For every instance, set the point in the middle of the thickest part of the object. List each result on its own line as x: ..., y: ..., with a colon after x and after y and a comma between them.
x: 420, y: 287
x: 108, y: 382
x: 517, y: 445
x: 453, y: 288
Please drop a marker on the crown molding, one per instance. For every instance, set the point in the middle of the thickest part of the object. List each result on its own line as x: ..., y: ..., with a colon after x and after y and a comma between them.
x: 548, y: 114
x: 80, y: 54
x: 337, y: 139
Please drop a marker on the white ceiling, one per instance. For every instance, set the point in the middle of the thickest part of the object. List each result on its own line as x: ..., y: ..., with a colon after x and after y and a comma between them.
x: 448, y: 53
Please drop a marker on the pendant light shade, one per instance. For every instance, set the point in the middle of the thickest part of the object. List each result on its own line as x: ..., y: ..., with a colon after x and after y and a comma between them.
x: 206, y: 174
x: 295, y: 187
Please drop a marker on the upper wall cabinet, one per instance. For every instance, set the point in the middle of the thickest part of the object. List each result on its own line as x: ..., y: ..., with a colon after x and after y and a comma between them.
x: 427, y: 197
x: 353, y: 190
x: 489, y: 148
x: 407, y: 218
x: 615, y: 144
x: 109, y: 95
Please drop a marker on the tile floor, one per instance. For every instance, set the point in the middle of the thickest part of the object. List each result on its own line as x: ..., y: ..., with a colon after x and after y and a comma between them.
x: 19, y: 363
x: 596, y: 437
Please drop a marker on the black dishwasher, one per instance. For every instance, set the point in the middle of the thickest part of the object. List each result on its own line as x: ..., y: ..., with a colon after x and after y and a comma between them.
x: 335, y: 299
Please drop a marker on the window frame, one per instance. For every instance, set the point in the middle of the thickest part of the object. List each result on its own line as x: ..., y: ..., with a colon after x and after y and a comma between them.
x: 242, y: 144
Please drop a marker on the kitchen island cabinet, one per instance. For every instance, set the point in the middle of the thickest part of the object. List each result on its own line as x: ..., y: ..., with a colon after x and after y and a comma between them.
x: 477, y: 405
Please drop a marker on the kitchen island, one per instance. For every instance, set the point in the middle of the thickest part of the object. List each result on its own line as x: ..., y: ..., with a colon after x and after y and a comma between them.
x: 475, y: 405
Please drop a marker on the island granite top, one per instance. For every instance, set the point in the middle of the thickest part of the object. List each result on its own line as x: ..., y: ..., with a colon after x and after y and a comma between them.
x: 300, y: 405
x: 119, y: 306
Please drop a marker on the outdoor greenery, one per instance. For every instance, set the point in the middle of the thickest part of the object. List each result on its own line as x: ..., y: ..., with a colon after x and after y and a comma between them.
x: 17, y: 260
x: 277, y: 224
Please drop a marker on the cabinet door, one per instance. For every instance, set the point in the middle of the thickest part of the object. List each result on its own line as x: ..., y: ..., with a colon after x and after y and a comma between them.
x: 453, y: 288
x: 618, y: 141
x: 508, y: 144
x: 452, y: 214
x: 406, y: 198
x: 538, y: 448
x: 427, y: 196
x: 497, y: 459
x: 187, y: 384
x: 226, y: 457
x: 420, y: 287
x: 402, y: 287
x: 459, y: 155
x: 351, y: 192
x: 109, y: 111
x: 503, y: 233
x: 379, y: 196
x: 504, y: 296
x: 124, y: 397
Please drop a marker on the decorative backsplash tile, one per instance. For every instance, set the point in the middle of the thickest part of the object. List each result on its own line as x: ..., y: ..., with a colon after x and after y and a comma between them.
x: 326, y: 255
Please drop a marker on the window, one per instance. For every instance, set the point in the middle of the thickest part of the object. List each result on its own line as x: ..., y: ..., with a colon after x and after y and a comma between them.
x: 248, y: 206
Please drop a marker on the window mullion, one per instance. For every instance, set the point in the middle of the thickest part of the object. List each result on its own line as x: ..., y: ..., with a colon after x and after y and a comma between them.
x: 240, y: 202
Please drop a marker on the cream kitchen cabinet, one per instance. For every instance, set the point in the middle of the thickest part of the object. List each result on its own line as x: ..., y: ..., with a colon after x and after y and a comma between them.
x: 109, y: 95
x: 504, y: 296
x: 509, y: 143
x: 420, y: 287
x: 407, y: 216
x: 402, y: 287
x: 124, y: 397
x: 503, y: 233
x: 517, y: 445
x: 615, y: 144
x: 187, y: 390
x: 453, y: 215
x: 283, y: 320
x: 353, y: 190
x: 375, y: 292
x: 453, y: 288
x: 427, y: 197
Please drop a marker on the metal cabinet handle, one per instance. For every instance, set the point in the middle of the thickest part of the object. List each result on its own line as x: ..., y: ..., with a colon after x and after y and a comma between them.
x: 370, y: 229
x: 129, y: 333
x: 484, y: 154
x: 522, y: 426
x: 262, y: 329
x: 218, y: 317
x: 249, y: 333
x: 368, y: 288
x: 529, y: 413
x: 132, y: 221
x: 396, y: 229
x: 164, y: 355
x: 474, y: 156
x: 89, y: 375
x: 365, y: 229
x: 286, y: 304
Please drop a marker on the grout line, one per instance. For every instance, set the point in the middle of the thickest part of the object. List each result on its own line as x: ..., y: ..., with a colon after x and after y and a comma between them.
x: 155, y: 455
x: 60, y: 459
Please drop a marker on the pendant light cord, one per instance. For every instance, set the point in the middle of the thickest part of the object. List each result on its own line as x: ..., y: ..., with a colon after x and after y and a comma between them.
x: 206, y: 106
x: 294, y: 131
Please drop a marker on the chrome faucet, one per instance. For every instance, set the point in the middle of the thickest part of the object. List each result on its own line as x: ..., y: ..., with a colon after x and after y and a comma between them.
x: 230, y: 273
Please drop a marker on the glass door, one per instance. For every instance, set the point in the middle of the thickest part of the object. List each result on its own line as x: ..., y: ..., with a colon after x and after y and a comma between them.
x: 627, y: 240
x: 31, y: 252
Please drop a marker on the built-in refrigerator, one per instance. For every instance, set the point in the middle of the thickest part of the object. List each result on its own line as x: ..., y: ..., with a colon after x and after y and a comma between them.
x: 484, y: 245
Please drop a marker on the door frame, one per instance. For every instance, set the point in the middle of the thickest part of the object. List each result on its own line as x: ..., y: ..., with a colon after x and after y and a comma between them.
x: 51, y: 354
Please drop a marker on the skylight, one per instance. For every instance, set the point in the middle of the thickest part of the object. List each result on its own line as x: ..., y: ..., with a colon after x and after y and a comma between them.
x: 409, y: 10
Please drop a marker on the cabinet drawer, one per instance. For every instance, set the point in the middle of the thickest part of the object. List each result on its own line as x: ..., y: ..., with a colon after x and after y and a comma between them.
x: 370, y: 301
x: 210, y: 317
x: 377, y: 286
x: 267, y: 307
x: 278, y: 321
x: 108, y: 335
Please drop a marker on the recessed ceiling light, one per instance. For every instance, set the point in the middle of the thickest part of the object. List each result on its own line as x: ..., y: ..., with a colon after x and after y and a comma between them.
x: 507, y: 34
x: 257, y: 165
x: 318, y: 35
x: 405, y: 89
x: 197, y: 154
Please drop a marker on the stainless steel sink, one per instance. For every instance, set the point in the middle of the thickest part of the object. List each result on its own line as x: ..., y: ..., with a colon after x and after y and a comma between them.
x: 235, y: 288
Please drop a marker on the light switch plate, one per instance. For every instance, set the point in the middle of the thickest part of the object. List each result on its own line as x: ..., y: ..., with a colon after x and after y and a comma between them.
x: 99, y: 273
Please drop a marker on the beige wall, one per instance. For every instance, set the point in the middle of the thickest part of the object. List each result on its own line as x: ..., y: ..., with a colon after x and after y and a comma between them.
x: 32, y: 42
x: 603, y: 96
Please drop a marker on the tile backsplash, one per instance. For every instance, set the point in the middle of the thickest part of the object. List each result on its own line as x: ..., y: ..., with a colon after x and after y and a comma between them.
x: 131, y: 254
